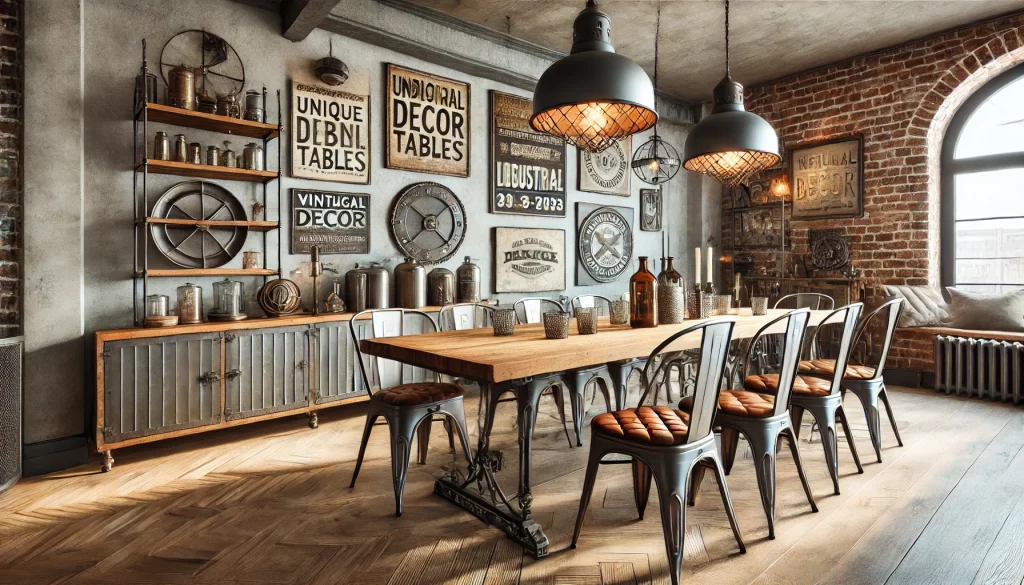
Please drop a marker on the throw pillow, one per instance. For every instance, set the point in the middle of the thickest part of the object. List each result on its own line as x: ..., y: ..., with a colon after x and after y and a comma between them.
x: 923, y: 305
x: 986, y: 311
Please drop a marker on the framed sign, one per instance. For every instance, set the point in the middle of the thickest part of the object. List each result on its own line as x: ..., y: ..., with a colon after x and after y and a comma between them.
x: 330, y: 134
x: 527, y: 168
x: 606, y: 171
x: 604, y: 243
x: 427, y: 123
x: 758, y: 227
x: 337, y: 222
x: 650, y: 210
x: 827, y: 179
x: 528, y: 260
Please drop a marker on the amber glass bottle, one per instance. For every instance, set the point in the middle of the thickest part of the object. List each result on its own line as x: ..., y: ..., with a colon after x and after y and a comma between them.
x: 643, y: 297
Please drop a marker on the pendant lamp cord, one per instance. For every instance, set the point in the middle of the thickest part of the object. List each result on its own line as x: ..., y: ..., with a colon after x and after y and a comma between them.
x: 727, y: 38
x: 657, y: 36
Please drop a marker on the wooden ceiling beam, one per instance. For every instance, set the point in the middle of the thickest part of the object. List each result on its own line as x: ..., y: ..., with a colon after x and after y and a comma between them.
x: 300, y: 17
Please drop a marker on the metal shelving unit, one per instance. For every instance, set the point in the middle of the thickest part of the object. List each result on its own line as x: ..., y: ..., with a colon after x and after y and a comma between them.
x: 144, y: 114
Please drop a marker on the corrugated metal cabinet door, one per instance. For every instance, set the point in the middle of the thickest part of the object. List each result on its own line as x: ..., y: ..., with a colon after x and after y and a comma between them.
x: 267, y: 371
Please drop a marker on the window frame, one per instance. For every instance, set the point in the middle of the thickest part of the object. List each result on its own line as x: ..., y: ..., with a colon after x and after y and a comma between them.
x: 949, y: 167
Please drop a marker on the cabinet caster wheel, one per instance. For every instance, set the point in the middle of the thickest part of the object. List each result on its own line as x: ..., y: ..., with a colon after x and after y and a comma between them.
x: 314, y: 422
x: 108, y: 462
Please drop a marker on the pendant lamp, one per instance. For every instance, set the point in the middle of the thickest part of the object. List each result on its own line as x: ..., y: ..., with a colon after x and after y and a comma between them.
x: 656, y: 161
x: 594, y: 96
x: 730, y: 144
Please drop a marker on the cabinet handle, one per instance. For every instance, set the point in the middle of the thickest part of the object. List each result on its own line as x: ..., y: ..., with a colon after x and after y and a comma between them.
x: 302, y: 365
x: 209, y: 378
x: 232, y: 374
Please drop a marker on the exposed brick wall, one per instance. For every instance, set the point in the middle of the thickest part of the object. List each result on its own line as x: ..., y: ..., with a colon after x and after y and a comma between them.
x: 901, y: 101
x: 11, y: 120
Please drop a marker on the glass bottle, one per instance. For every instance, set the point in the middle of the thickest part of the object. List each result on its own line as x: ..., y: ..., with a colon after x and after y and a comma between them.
x: 643, y: 297
x: 671, y: 294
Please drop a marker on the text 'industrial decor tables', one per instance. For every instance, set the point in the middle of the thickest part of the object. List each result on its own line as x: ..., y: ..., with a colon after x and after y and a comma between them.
x: 509, y: 364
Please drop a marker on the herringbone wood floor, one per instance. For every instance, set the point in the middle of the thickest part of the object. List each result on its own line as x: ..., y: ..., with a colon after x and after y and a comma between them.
x: 271, y: 504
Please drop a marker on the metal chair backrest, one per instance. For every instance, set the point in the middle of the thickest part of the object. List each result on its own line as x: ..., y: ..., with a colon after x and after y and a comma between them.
x: 384, y: 323
x: 463, y: 316
x: 603, y: 304
x: 806, y: 300
x: 716, y: 335
x: 850, y: 315
x: 792, y: 346
x: 894, y: 309
x: 531, y: 309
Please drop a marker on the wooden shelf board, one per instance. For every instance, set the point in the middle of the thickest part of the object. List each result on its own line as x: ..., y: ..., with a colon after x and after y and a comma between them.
x: 172, y: 272
x: 170, y: 167
x: 256, y: 226
x: 212, y: 122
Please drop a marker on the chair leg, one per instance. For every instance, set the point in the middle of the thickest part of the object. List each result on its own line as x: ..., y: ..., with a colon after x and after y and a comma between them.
x: 826, y: 418
x: 605, y: 385
x: 423, y: 440
x: 696, y: 478
x: 620, y: 379
x: 402, y: 427
x: 451, y: 435
x: 672, y: 486
x: 841, y: 415
x: 796, y: 416
x: 730, y: 440
x: 557, y: 394
x: 884, y: 395
x: 370, y: 420
x: 764, y: 448
x: 869, y: 401
x: 795, y: 450
x: 641, y: 486
x: 588, y: 488
x: 723, y: 489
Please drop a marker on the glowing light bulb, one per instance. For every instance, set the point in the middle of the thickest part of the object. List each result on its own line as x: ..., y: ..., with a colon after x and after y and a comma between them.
x: 654, y: 166
x: 595, y: 115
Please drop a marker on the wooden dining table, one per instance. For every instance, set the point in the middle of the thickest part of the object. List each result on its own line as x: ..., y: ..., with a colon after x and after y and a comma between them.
x: 509, y: 364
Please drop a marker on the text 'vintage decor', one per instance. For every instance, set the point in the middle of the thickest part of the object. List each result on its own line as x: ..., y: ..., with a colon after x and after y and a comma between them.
x: 427, y: 123
x: 527, y: 168
x: 605, y: 243
x: 827, y: 179
x: 330, y: 134
x: 606, y: 171
x: 337, y: 222
x: 528, y: 260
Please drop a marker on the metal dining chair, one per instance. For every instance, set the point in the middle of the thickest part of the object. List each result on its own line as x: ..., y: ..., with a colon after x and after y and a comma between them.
x: 667, y: 444
x: 619, y: 371
x: 407, y: 407
x: 806, y: 300
x: 823, y: 398
x: 463, y: 316
x: 763, y: 418
x: 576, y: 381
x: 866, y: 381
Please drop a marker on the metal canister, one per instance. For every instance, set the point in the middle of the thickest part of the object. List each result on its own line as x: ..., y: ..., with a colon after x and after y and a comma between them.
x: 161, y: 147
x: 195, y: 153
x: 227, y: 156
x: 468, y: 277
x: 180, y: 148
x: 227, y: 105
x: 253, y: 106
x: 378, y: 287
x: 181, y: 87
x: 410, y: 284
x: 190, y: 303
x: 213, y: 156
x: 355, y: 289
x: 440, y: 287
x: 145, y: 88
x: 156, y: 306
x: 252, y: 157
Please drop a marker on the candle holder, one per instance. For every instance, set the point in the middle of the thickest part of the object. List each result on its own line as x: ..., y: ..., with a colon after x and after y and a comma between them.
x: 556, y: 325
x: 504, y: 322
x: 707, y: 305
x: 586, y: 320
x: 759, y: 305
x: 693, y: 303
x: 620, y: 312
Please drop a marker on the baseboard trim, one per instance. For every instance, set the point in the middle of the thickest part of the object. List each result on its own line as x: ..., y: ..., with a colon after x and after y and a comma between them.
x: 56, y: 455
x: 904, y: 377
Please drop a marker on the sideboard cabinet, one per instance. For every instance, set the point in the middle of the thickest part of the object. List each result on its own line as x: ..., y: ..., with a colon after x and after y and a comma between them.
x: 161, y: 383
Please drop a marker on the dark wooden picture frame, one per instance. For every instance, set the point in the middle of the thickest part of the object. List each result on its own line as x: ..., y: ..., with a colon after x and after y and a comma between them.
x: 800, y: 177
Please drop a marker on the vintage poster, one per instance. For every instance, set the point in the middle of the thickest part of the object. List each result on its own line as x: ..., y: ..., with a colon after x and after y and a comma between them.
x: 527, y: 168
x: 330, y: 134
x: 827, y: 179
x: 528, y: 260
x: 606, y: 171
x: 650, y: 210
x: 337, y: 222
x: 427, y: 123
x: 604, y: 243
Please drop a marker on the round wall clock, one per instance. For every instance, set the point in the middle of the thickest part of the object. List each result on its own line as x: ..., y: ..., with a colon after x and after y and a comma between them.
x: 605, y: 244
x: 428, y: 222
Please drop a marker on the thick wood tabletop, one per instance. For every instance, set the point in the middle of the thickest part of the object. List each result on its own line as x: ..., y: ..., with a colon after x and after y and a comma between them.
x: 479, y: 355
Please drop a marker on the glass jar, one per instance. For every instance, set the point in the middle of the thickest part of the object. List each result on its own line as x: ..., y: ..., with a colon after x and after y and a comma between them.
x: 156, y: 305
x: 671, y: 294
x: 643, y: 297
x: 227, y: 297
x: 180, y: 148
x: 161, y: 147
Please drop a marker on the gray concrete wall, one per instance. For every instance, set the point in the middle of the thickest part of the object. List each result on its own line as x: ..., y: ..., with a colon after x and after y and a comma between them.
x: 81, y: 63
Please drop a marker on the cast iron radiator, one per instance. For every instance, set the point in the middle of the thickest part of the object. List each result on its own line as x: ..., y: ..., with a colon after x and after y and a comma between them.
x: 10, y: 411
x: 985, y: 368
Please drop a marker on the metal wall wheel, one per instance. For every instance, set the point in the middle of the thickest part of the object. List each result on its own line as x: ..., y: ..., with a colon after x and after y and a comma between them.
x: 198, y: 246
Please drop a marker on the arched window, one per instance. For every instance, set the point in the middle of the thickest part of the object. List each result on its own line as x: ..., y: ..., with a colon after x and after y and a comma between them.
x: 983, y: 189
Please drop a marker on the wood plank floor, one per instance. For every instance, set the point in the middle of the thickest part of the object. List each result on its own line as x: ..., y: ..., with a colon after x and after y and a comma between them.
x: 271, y: 504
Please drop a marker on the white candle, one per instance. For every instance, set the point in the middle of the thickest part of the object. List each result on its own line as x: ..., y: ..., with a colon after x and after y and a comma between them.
x: 696, y: 255
x: 710, y: 264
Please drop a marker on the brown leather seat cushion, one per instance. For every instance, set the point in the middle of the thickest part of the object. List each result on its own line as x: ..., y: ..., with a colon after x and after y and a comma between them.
x: 828, y: 368
x: 738, y: 403
x: 807, y: 385
x: 654, y: 425
x: 417, y: 393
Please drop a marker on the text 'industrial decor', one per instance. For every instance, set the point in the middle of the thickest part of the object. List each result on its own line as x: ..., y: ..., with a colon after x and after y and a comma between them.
x: 827, y: 179
x: 606, y: 171
x: 527, y: 168
x: 337, y: 222
x: 528, y: 260
x: 427, y: 123
x: 330, y: 134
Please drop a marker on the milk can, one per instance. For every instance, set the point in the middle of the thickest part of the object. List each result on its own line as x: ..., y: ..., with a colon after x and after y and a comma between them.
x: 410, y: 284
x: 440, y: 287
x: 468, y: 277
x: 355, y: 289
x: 378, y: 287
